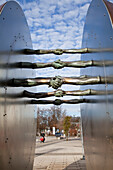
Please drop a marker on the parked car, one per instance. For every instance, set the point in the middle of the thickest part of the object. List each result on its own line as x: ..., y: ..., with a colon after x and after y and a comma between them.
x: 57, y: 134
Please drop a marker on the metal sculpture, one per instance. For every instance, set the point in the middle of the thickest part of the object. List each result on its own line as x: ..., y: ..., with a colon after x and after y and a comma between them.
x: 66, y: 51
x: 57, y: 93
x: 58, y: 64
x: 97, y: 117
x: 57, y: 81
x: 17, y: 122
x: 17, y: 114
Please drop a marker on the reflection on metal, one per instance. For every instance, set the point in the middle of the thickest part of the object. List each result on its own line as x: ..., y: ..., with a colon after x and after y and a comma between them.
x: 67, y: 51
x: 17, y: 122
x: 57, y: 81
x: 97, y: 115
x: 57, y: 93
x: 58, y: 64
x: 16, y: 49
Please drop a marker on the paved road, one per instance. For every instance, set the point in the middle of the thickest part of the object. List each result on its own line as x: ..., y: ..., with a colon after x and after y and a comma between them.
x: 57, y: 154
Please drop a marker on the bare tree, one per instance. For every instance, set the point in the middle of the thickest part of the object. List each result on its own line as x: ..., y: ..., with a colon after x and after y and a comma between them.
x: 52, y: 117
x: 41, y: 119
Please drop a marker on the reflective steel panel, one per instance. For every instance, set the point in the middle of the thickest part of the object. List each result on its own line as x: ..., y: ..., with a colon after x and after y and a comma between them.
x: 97, y: 115
x: 17, y: 122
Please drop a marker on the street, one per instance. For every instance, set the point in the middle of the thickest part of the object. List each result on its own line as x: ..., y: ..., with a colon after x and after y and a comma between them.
x: 59, y: 154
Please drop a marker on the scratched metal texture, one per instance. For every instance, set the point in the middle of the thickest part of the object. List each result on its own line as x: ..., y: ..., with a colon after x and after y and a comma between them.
x: 17, y: 122
x: 97, y: 116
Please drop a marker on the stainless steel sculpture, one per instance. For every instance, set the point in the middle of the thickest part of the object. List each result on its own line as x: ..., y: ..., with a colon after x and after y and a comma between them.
x: 17, y: 120
x: 66, y: 51
x: 57, y: 81
x: 58, y: 64
x: 97, y: 118
x: 57, y: 93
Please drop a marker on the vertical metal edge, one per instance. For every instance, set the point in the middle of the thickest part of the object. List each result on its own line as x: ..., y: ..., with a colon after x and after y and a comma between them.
x: 2, y: 7
x: 109, y: 7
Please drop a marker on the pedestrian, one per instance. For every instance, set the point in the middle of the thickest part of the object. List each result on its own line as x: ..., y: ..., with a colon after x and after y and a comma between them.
x: 42, y: 139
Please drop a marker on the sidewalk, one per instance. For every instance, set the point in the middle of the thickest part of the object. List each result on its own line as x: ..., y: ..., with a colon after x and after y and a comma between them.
x: 57, y: 154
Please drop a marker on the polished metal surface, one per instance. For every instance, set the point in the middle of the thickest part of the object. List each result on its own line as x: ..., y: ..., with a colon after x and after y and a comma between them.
x: 57, y: 51
x: 58, y: 64
x: 57, y: 81
x: 67, y: 51
x: 97, y: 117
x: 17, y: 122
x: 57, y: 93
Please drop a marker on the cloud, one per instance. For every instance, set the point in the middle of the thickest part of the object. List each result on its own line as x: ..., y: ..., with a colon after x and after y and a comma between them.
x: 56, y: 24
x: 2, y: 2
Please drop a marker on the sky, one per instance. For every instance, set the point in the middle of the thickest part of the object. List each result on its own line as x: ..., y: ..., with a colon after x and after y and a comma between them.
x: 56, y: 24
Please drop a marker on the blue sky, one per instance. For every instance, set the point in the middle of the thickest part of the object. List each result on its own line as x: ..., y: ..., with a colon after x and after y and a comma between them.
x: 56, y: 24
